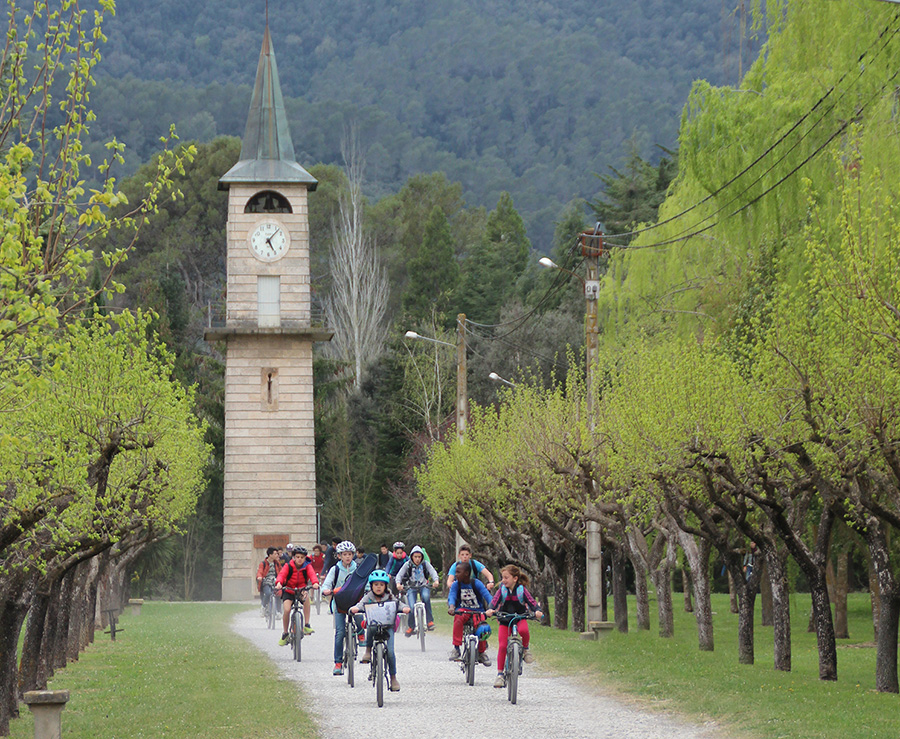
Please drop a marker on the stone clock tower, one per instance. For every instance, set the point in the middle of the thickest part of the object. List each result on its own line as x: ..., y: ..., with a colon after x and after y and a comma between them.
x: 270, y: 474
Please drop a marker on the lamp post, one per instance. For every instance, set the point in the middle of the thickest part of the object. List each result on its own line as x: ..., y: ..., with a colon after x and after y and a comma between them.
x: 591, y: 249
x: 496, y: 378
x: 462, y: 390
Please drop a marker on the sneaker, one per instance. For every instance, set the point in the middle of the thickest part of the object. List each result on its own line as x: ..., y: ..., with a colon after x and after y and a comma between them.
x: 527, y: 657
x: 284, y: 640
x: 410, y: 632
x: 430, y: 626
x: 307, y: 630
x: 484, y: 659
x: 367, y: 656
x: 395, y: 685
x: 454, y: 654
x: 500, y: 682
x: 338, y: 669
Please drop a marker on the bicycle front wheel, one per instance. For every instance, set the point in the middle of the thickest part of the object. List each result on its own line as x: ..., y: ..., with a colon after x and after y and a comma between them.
x: 421, y: 625
x: 271, y: 611
x: 350, y: 650
x: 379, y: 658
x: 513, y: 665
x: 471, y: 659
x: 297, y: 625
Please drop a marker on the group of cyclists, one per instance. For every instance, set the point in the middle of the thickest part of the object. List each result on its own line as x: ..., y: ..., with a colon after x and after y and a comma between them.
x: 398, y: 574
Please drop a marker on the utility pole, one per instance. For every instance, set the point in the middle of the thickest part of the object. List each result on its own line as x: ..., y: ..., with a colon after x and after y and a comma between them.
x: 591, y: 249
x: 462, y: 391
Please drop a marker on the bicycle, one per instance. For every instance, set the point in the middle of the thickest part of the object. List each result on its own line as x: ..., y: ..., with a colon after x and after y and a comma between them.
x: 273, y: 612
x: 469, y: 652
x: 421, y: 625
x: 514, y: 652
x: 381, y: 621
x: 296, y: 622
x: 318, y: 601
x: 350, y: 647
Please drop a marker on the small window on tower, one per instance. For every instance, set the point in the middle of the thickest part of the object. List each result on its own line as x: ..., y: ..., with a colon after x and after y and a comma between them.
x: 268, y: 201
x: 269, y: 389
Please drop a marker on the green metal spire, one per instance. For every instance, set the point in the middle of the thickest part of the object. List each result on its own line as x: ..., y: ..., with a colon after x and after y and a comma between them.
x: 267, y: 152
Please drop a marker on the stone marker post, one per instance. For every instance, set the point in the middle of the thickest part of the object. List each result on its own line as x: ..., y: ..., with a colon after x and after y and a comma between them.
x: 47, y: 706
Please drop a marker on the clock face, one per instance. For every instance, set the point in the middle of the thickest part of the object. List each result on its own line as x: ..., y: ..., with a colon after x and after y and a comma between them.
x: 269, y: 241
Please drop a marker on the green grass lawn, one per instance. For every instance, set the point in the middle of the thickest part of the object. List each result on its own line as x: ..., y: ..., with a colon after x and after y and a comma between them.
x: 754, y: 700
x: 176, y: 671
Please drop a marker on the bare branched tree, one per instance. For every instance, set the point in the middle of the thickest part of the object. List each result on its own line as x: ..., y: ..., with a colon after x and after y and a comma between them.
x: 357, y: 304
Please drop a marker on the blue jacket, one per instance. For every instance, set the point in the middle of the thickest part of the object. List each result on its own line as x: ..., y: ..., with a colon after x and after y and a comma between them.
x: 472, y: 597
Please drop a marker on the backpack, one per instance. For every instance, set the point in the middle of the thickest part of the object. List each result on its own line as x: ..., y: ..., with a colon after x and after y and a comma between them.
x: 292, y: 568
x: 349, y: 594
x: 520, y: 596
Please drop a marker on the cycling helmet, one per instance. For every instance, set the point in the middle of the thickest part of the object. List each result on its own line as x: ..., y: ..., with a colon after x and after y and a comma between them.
x: 300, y: 550
x: 399, y: 545
x: 379, y: 576
x: 345, y: 546
x: 289, y: 547
x: 482, y: 631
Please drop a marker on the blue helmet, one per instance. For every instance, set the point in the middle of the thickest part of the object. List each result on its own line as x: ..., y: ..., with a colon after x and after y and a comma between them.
x: 483, y: 631
x: 379, y: 576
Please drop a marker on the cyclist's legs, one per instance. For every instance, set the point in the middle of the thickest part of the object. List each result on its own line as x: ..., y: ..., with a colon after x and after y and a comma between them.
x: 286, y: 613
x: 265, y: 593
x: 502, y: 640
x: 392, y: 659
x: 411, y: 600
x: 306, y: 607
x: 523, y: 632
x: 459, y: 620
x: 340, y: 629
x: 426, y: 599
x: 478, y: 618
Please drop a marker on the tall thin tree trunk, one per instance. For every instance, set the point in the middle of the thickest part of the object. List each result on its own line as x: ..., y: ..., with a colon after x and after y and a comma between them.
x: 686, y: 587
x: 732, y: 594
x: 620, y: 591
x: 697, y: 552
x: 841, y: 586
x: 765, y: 595
x: 874, y: 597
x: 578, y: 563
x: 777, y: 576
x: 642, y: 596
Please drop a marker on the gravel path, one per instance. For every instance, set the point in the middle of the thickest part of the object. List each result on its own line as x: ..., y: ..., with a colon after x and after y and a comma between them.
x: 434, y: 700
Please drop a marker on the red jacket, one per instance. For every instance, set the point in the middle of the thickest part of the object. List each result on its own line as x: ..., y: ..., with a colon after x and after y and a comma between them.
x: 291, y: 577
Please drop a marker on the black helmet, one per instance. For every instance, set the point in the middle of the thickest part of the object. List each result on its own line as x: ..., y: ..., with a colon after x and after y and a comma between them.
x: 301, y: 550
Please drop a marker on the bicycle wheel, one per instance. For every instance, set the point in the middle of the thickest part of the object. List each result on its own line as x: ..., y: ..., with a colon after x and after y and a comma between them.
x: 471, y: 659
x: 379, y: 658
x: 270, y: 611
x: 350, y: 649
x: 420, y: 623
x: 513, y: 665
x: 318, y: 601
x: 297, y: 625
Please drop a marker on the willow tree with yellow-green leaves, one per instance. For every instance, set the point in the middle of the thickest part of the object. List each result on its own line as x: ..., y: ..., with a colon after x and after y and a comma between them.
x: 89, y: 461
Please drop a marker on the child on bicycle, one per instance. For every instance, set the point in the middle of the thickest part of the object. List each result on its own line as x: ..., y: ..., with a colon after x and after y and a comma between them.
x: 379, y: 593
x: 296, y: 574
x: 266, y: 574
x: 337, y: 575
x: 469, y: 595
x: 414, y: 575
x: 512, y: 597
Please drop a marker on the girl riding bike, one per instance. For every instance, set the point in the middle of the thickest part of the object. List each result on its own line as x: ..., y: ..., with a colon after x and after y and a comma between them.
x: 379, y: 593
x: 512, y: 597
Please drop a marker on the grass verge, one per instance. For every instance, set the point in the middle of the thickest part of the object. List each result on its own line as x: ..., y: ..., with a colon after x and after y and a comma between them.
x: 754, y: 700
x: 176, y: 671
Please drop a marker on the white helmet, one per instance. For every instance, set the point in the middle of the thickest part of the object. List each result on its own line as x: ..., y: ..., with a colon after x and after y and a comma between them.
x: 345, y: 546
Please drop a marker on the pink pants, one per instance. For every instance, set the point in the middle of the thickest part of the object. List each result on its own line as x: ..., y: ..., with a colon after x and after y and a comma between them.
x: 459, y: 620
x: 503, y: 639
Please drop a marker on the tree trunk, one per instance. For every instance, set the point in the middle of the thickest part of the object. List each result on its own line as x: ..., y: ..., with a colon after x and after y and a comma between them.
x: 765, y: 596
x: 777, y: 577
x: 874, y: 597
x: 841, y: 586
x: 620, y: 592
x: 662, y: 582
x: 578, y: 564
x: 697, y: 553
x: 15, y: 597
x: 889, y: 616
x: 604, y: 584
x: 732, y: 594
x: 32, y: 670
x: 824, y: 627
x: 642, y: 596
x: 746, y: 597
x: 686, y: 587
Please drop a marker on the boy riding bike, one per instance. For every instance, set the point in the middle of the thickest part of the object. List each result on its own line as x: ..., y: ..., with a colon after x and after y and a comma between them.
x: 470, y: 596
x: 296, y: 574
x: 414, y: 576
x: 335, y: 578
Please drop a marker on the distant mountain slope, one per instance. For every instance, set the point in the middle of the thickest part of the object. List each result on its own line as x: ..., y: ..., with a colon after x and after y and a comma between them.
x: 520, y: 95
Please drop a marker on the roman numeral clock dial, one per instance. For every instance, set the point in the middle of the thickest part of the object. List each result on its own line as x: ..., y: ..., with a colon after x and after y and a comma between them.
x: 269, y: 241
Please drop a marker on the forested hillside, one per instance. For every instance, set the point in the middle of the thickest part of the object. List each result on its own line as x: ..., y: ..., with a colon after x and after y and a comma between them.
x: 533, y: 98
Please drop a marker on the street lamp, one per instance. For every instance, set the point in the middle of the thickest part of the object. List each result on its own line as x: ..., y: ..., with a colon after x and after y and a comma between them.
x: 462, y: 391
x: 496, y: 378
